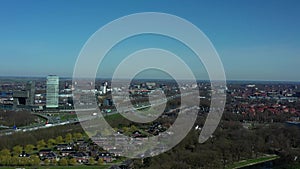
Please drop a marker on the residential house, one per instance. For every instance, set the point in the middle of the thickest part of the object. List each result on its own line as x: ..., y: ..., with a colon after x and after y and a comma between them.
x: 106, y: 157
x: 66, y: 152
x: 60, y: 147
x: 44, y: 152
x: 81, y: 157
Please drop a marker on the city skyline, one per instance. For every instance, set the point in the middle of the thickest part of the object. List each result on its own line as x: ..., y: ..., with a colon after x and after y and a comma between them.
x: 255, y: 40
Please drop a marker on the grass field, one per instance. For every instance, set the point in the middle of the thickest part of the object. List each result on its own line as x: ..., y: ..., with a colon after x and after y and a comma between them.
x: 113, y: 116
x: 251, y: 162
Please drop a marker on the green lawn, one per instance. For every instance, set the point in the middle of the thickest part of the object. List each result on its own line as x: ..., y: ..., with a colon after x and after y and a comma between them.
x: 250, y: 162
x: 113, y: 116
x: 65, y: 116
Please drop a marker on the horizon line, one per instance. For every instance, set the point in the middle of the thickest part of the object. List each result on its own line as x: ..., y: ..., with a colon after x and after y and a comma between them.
x: 227, y: 80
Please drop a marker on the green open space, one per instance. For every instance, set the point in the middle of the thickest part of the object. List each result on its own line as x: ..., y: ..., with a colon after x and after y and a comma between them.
x: 115, y: 116
x: 250, y: 162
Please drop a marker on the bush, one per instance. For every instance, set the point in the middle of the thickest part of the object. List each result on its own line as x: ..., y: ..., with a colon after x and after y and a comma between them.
x: 63, y: 162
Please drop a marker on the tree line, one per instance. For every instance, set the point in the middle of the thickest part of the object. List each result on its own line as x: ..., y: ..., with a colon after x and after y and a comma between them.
x: 230, y: 143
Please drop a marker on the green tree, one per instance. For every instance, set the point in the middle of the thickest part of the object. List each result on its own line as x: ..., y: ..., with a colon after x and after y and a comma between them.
x: 47, y: 162
x: 59, y: 139
x: 77, y: 136
x: 125, y: 129
x: 5, y: 152
x: 17, y: 150
x: 35, y: 160
x: 63, y: 162
x: 41, y: 144
x: 5, y: 160
x: 133, y: 128
x: 51, y: 142
x: 53, y: 162
x: 29, y: 148
x: 91, y: 161
x: 23, y: 161
x: 14, y: 161
x: 68, y: 138
x: 72, y: 161
x: 100, y: 161
x: 106, y: 132
x: 5, y: 157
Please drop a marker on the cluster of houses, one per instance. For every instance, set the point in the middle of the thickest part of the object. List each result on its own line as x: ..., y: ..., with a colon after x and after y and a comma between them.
x: 276, y: 99
x: 117, y: 145
x: 120, y: 145
x: 81, y: 150
x: 260, y: 108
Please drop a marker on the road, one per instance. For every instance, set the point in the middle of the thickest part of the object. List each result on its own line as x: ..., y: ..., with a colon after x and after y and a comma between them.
x: 53, y: 122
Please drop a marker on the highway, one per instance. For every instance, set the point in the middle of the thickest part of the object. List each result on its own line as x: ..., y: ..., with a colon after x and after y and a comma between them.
x: 53, y: 122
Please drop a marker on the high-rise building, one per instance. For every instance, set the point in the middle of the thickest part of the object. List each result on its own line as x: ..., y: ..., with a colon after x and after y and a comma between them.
x: 30, y: 87
x: 52, y: 91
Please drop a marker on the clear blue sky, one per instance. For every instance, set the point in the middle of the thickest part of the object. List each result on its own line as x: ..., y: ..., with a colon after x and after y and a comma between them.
x: 256, y: 40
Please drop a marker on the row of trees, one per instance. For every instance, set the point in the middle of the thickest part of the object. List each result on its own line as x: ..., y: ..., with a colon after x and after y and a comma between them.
x: 34, y: 160
x: 58, y: 140
x: 14, y: 157
x: 25, y: 138
x: 8, y: 160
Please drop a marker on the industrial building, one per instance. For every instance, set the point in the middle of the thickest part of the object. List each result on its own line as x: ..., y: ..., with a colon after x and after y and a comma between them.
x: 24, y: 97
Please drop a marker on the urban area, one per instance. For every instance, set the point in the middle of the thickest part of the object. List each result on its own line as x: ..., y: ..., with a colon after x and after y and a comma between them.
x: 39, y: 126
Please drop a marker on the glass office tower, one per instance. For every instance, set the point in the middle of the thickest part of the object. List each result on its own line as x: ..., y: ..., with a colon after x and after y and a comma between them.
x: 52, y: 91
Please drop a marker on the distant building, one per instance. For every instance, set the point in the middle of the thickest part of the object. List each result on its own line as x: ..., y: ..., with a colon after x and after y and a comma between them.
x: 104, y: 88
x: 52, y: 91
x: 24, y: 97
x: 150, y: 85
x: 30, y: 87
